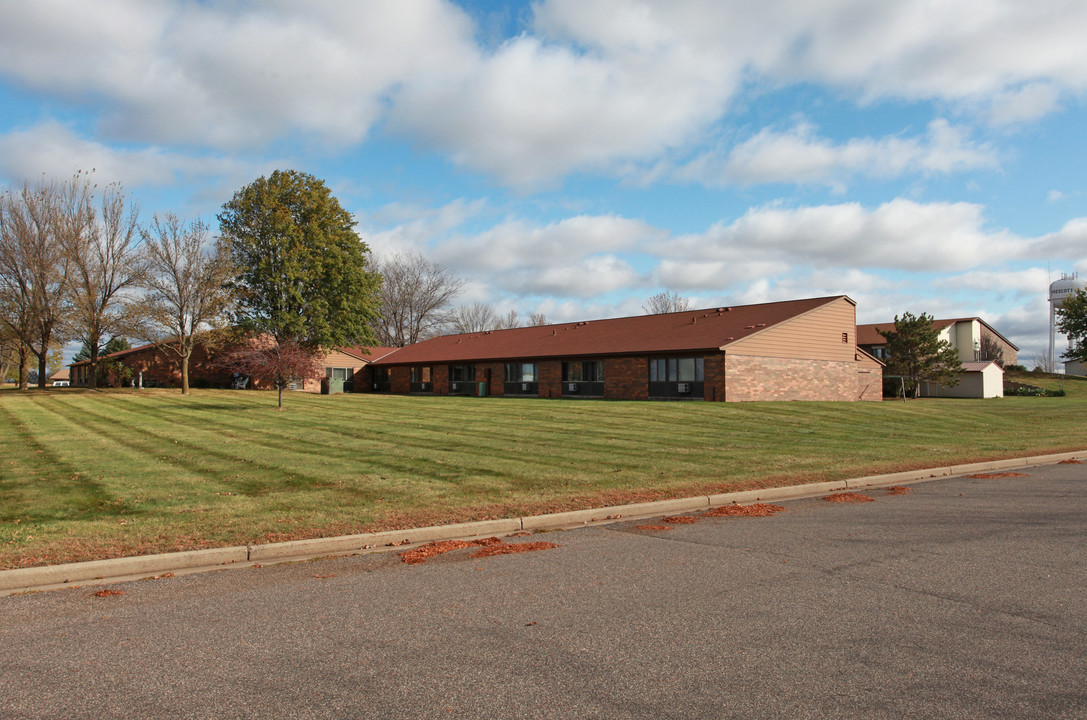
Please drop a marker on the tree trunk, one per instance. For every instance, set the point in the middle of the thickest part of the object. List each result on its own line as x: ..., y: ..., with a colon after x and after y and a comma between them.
x: 279, y: 386
x: 185, y: 375
x: 92, y: 381
x: 24, y: 371
x: 42, y: 369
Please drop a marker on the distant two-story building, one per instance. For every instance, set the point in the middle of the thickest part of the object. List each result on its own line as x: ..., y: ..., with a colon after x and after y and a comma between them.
x: 973, y: 338
x: 982, y: 350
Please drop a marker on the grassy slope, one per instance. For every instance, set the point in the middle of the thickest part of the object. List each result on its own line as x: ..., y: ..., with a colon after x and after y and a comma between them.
x: 87, y: 475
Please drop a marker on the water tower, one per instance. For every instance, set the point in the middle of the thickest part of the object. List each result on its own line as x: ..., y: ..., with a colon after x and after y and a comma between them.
x: 1058, y: 291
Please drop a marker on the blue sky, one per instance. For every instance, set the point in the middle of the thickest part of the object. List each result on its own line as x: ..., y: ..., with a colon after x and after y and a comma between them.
x: 574, y: 157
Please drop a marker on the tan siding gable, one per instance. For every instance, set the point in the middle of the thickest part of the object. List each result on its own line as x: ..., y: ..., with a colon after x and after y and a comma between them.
x: 815, y: 335
x: 339, y: 359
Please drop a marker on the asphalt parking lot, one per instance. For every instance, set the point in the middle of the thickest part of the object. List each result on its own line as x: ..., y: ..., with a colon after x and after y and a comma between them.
x: 963, y: 598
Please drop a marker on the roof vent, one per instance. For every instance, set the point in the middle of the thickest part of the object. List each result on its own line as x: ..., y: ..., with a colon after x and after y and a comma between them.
x: 761, y: 325
x: 694, y: 320
x: 749, y: 327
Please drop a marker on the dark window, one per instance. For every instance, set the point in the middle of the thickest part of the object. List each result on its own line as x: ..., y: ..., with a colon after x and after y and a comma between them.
x: 677, y: 377
x: 421, y: 374
x: 521, y: 372
x: 462, y: 373
x: 690, y: 369
x: 584, y: 371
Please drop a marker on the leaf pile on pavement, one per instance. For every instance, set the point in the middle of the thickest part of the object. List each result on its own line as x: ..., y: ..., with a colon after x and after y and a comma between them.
x: 655, y: 527
x: 509, y: 548
x: 849, y: 497
x: 680, y: 520
x: 488, y: 547
x: 897, y: 490
x: 754, y: 510
x: 990, y: 476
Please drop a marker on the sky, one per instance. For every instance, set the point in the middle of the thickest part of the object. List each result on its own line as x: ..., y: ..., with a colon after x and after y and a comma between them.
x: 574, y: 157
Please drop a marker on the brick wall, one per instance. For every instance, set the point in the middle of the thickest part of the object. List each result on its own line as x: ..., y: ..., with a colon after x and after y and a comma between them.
x: 763, y: 378
x: 714, y: 373
x: 626, y: 378
x: 550, y: 374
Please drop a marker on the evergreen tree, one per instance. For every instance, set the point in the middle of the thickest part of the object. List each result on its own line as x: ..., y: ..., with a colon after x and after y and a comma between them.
x: 1072, y: 322
x: 916, y: 353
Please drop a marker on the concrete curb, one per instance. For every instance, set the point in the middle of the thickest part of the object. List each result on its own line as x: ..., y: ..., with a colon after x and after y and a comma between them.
x: 100, y: 572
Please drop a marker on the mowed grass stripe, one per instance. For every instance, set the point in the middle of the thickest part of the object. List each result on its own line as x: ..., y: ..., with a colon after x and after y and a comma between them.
x: 100, y: 474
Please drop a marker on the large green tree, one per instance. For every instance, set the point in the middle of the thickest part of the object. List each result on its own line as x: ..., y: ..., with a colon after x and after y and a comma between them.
x: 304, y: 277
x: 917, y: 354
x: 1072, y: 322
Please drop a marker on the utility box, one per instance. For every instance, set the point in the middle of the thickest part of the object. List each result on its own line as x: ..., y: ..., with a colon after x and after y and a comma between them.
x: 483, y: 389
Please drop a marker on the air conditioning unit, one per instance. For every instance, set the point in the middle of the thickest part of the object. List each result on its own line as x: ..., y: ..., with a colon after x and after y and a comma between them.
x: 456, y: 386
x: 571, y: 387
x: 524, y: 387
x: 684, y: 387
x: 422, y: 386
x: 375, y: 386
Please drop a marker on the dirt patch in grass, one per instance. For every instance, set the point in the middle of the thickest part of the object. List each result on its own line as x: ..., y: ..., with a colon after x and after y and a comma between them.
x: 488, y: 547
x: 990, y: 476
x: 754, y: 510
x: 680, y: 520
x: 897, y: 490
x: 848, y: 497
x: 655, y: 527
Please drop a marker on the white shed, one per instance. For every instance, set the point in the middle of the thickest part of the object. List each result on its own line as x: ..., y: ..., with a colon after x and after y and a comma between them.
x: 983, y: 379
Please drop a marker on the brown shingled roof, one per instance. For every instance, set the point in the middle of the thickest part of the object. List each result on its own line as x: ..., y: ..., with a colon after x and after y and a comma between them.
x: 692, y: 330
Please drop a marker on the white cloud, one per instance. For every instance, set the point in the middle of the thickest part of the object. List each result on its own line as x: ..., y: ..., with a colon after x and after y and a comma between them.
x: 515, y: 244
x: 591, y: 85
x: 900, y: 234
x: 801, y: 156
x: 1025, y: 104
x: 1068, y: 243
x: 55, y: 151
x: 1019, y: 285
x: 229, y: 76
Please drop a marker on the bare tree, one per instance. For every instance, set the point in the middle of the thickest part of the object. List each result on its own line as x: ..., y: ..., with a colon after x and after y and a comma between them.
x: 186, y: 288
x: 10, y: 349
x: 105, y: 262
x: 508, y: 322
x: 477, y: 317
x: 990, y: 349
x: 537, y: 320
x: 34, y: 279
x: 414, y: 295
x: 666, y: 302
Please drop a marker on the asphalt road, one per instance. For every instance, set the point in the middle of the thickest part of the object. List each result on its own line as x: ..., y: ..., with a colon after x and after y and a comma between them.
x: 962, y: 599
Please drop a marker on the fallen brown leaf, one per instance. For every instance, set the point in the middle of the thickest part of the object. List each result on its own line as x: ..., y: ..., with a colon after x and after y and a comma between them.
x: 754, y: 510
x: 850, y: 497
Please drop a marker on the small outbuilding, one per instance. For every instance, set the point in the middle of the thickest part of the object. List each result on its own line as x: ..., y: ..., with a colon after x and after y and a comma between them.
x: 982, y: 379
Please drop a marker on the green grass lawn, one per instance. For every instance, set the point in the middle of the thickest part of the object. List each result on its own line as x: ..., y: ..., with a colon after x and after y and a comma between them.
x: 90, y: 475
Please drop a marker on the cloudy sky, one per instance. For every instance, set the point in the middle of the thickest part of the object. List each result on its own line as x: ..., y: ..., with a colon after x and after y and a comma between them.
x: 573, y: 157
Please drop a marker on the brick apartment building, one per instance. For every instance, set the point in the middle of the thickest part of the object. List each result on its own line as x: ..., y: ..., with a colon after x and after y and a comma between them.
x: 794, y: 350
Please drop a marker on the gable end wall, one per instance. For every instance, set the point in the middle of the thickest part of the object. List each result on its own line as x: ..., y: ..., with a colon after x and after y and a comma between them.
x: 815, y: 335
